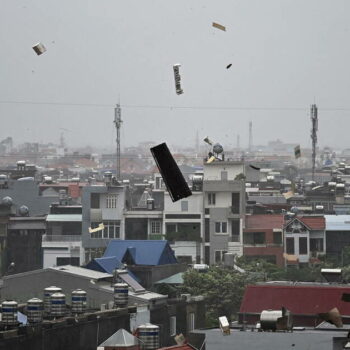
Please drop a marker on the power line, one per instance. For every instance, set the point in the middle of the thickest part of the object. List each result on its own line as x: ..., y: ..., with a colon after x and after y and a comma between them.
x: 229, y: 108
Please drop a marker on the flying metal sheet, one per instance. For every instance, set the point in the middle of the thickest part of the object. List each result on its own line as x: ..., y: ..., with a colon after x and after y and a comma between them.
x: 219, y: 26
x: 39, y: 48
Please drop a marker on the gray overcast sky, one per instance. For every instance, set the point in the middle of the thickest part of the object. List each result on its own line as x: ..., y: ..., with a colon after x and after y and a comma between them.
x: 284, y: 53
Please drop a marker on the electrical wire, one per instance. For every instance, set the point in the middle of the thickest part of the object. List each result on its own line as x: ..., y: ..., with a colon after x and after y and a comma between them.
x: 243, y: 108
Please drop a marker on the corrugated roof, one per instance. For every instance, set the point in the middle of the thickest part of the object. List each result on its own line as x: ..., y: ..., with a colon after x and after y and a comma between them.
x: 142, y: 252
x: 81, y: 271
x: 264, y: 221
x: 105, y: 264
x: 64, y: 217
x: 310, y: 299
x: 121, y: 338
x: 337, y: 222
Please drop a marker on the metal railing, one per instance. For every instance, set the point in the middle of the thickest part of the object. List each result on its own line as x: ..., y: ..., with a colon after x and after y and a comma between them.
x: 61, y: 238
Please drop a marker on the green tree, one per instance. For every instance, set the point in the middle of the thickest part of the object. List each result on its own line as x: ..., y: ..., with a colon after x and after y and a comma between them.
x: 222, y: 288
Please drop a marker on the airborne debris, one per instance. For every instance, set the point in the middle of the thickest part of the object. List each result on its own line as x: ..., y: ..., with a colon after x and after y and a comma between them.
x: 177, y: 77
x: 99, y: 228
x: 254, y: 167
x: 39, y: 48
x: 229, y: 66
x: 171, y: 174
x: 219, y: 26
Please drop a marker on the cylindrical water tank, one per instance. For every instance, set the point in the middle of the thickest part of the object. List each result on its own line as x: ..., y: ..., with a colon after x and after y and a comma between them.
x: 268, y: 319
x: 47, y: 297
x: 78, y: 301
x: 149, y: 336
x: 121, y: 295
x: 58, y: 304
x: 35, y: 310
x: 9, y: 313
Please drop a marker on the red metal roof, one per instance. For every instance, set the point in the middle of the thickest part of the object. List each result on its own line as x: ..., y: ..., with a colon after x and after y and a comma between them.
x: 264, y: 221
x: 311, y: 299
x: 177, y: 347
x: 314, y: 222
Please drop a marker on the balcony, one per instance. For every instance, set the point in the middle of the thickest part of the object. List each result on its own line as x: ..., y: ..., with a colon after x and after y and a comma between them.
x: 61, y: 238
x: 184, y: 235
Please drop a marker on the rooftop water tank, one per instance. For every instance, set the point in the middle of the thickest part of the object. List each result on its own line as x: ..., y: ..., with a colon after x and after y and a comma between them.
x: 148, y: 335
x: 35, y: 310
x: 9, y: 310
x: 78, y: 301
x: 47, y: 297
x: 269, y: 318
x: 58, y: 304
x: 7, y: 201
x: 121, y: 295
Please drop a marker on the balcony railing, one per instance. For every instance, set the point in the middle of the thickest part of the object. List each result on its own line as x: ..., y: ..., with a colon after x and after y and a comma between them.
x: 61, y: 238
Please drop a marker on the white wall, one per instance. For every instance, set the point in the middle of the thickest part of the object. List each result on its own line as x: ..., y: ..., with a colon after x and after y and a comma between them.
x: 195, y: 203
x: 213, y: 171
x: 184, y: 248
x: 50, y: 255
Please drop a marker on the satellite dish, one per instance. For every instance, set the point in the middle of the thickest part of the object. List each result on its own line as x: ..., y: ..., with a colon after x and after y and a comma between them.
x: 217, y: 148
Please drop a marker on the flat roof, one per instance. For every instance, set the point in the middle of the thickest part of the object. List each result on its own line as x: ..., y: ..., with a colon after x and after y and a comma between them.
x: 299, y: 340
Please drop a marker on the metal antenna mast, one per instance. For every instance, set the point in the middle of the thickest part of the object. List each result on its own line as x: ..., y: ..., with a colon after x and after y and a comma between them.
x: 250, y: 136
x: 314, y: 129
x: 118, y: 122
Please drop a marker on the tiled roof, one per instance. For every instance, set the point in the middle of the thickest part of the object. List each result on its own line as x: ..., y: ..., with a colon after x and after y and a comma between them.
x: 272, y: 221
x: 310, y: 299
x: 314, y: 222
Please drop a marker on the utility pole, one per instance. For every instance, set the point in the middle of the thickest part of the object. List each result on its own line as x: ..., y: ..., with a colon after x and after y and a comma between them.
x: 118, y: 122
x: 314, y: 129
x: 250, y: 136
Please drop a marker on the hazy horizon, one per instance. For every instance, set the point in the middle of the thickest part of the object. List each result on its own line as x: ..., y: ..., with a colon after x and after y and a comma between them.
x: 285, y: 56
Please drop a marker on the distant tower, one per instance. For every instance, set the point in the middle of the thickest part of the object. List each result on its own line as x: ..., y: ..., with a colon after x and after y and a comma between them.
x: 314, y: 129
x: 118, y: 122
x: 250, y: 136
x: 62, y: 143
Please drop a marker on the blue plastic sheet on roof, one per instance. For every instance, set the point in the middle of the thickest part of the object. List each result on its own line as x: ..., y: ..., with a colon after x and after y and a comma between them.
x: 143, y: 252
x: 22, y: 318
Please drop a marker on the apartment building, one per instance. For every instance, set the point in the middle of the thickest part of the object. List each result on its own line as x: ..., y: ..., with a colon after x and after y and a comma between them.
x: 224, y: 209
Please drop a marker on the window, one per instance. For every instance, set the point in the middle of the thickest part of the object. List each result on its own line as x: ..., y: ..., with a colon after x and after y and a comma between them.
x: 111, y: 201
x: 184, y: 205
x: 235, y: 203
x: 172, y: 326
x: 219, y: 256
x: 303, y: 245
x: 277, y: 238
x: 156, y: 227
x: 221, y: 227
x: 290, y: 245
x: 95, y: 200
x: 211, y: 198
x: 235, y: 230
x: 254, y: 238
x: 316, y: 244
x: 67, y: 261
x: 191, y: 319
x: 111, y: 230
x: 207, y: 230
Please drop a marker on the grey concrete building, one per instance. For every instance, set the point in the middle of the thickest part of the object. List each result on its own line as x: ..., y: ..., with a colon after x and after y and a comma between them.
x: 224, y: 208
x: 102, y: 204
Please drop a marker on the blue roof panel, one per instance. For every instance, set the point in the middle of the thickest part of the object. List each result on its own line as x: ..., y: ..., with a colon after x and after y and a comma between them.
x: 144, y: 252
